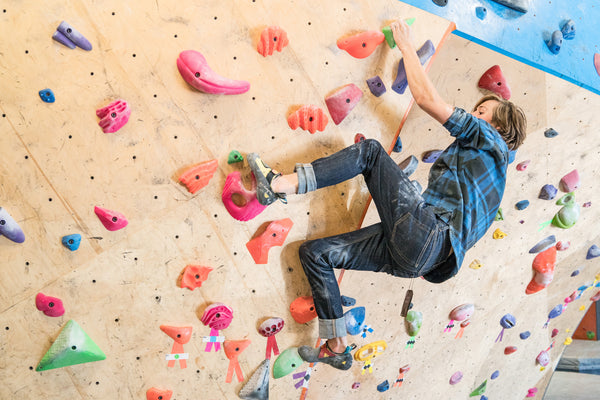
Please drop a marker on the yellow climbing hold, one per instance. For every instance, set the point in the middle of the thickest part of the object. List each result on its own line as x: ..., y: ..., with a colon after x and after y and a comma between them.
x: 476, y: 264
x: 568, y: 341
x: 581, y: 308
x: 498, y: 234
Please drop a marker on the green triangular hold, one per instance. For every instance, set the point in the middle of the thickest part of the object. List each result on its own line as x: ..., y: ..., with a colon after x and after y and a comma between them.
x: 389, y: 36
x: 72, y: 346
x: 257, y: 387
x: 480, y: 389
x: 234, y: 157
x: 499, y: 215
x: 410, y: 21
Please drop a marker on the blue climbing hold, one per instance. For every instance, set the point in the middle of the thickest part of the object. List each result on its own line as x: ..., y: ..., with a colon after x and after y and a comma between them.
x: 550, y: 133
x: 575, y: 273
x: 481, y: 12
x: 72, y: 242
x: 548, y: 192
x: 431, y: 156
x: 524, y: 335
x: 348, y: 301
x: 355, y: 320
x: 521, y: 205
x: 398, y: 146
x: 383, y: 386
x: 555, y: 42
x: 568, y: 30
x: 47, y: 95
x: 495, y: 374
x: 593, y: 252
x: 376, y: 86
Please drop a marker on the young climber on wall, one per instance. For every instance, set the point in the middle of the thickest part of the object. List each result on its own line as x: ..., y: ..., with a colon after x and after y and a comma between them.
x: 419, y: 234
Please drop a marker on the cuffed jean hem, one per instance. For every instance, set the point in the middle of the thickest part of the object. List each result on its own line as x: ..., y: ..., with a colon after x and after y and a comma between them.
x: 332, y: 328
x: 307, y: 182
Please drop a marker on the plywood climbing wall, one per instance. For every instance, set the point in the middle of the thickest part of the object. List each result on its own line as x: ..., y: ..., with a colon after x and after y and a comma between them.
x: 120, y: 286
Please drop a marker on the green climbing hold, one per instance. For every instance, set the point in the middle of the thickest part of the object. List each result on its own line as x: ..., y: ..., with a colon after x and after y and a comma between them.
x: 287, y: 362
x: 234, y: 157
x: 389, y: 36
x: 499, y: 215
x: 568, y: 215
x: 72, y: 346
x: 480, y: 389
x: 414, y: 320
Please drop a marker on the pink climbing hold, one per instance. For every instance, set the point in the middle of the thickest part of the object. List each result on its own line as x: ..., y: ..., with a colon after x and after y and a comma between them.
x: 494, y: 81
x: 217, y: 316
x: 522, y: 166
x: 342, y: 101
x: 570, y: 181
x: 194, y: 69
x: 113, y: 116
x: 562, y: 246
x: 112, y: 220
x: 597, y: 63
x: 532, y: 392
x: 50, y: 306
x: 274, y: 235
x: 250, y: 207
x: 456, y: 377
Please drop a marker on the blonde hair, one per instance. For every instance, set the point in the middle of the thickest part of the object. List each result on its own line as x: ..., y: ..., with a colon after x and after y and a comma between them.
x: 509, y: 119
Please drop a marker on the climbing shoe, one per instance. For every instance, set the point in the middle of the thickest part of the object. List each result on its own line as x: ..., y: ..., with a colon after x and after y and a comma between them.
x: 325, y: 355
x: 264, y: 175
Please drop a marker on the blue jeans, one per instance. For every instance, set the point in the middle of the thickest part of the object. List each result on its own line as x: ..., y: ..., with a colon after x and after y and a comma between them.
x: 409, y: 241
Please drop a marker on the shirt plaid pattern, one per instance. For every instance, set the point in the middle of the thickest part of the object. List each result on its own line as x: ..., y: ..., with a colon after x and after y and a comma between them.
x: 466, y: 185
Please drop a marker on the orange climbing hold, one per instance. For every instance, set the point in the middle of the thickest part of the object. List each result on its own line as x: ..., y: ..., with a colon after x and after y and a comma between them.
x: 303, y: 309
x: 361, y: 45
x: 543, y: 270
x: 158, y: 394
x: 181, y: 335
x: 494, y: 81
x: 194, y: 276
x: 274, y: 235
x: 233, y: 348
x: 308, y: 117
x: 272, y: 38
x: 199, y: 175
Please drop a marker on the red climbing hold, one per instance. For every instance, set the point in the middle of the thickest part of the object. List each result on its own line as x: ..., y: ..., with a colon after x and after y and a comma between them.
x: 543, y: 270
x: 194, y: 276
x: 569, y: 182
x: 342, y: 101
x: 494, y: 81
x: 274, y: 235
x: 303, y: 309
x: 158, y: 394
x: 510, y: 349
x: 196, y: 177
x: 361, y: 45
x: 308, y: 117
x: 272, y: 38
x: 112, y: 220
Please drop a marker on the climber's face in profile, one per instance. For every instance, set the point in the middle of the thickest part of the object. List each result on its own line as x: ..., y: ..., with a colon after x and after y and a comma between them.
x: 485, y: 110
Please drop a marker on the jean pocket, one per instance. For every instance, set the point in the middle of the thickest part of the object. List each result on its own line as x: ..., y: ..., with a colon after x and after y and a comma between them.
x: 411, y: 240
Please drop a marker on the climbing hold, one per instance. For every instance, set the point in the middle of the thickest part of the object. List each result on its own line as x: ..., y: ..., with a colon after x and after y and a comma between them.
x: 595, y: 297
x: 548, y: 192
x: 10, y: 228
x: 234, y: 157
x: 475, y: 264
x: 71, y: 242
x: 47, y: 95
x: 113, y: 116
x: 370, y: 351
x: 555, y: 42
x: 233, y: 348
x: 522, y: 166
x: 198, y: 176
x: 376, y: 86
x: 525, y: 335
x: 543, y: 358
x: 562, y: 246
x: 568, y: 341
x: 359, y: 137
x: 510, y: 349
x: 575, y: 273
x: 383, y: 386
x: 597, y: 62
x: 499, y: 215
x: 269, y: 329
x: 361, y: 45
x: 180, y: 335
x: 481, y: 12
x: 554, y: 333
x: 507, y: 321
x: 462, y: 312
x: 217, y: 316
x: 112, y: 220
x: 194, y: 69
x: 257, y: 387
x: 587, y: 204
x: 495, y: 374
x: 287, y: 362
x: 518, y: 5
x: 568, y: 30
x: 303, y: 309
x: 521, y: 205
x: 158, y: 394
x: 234, y: 187
x: 569, y: 182
x: 479, y: 390
x: 494, y: 81
x: 308, y: 117
x: 555, y: 312
x: 272, y: 38
x: 342, y: 101
x: 398, y: 145
x: 568, y: 215
x: 531, y: 392
x: 456, y: 377
x: 355, y: 320
x: 593, y: 252
x: 440, y: 3
x: 389, y: 36
x: 409, y: 165
x: 550, y: 133
x: 498, y: 234
x: 72, y: 346
x: 67, y: 35
x: 543, y: 270
x: 431, y: 156
x: 414, y: 320
x: 274, y: 235
x: 50, y: 306
x: 194, y: 276
x: 355, y: 385
x: 348, y: 301
x: 401, y: 83
x: 543, y: 244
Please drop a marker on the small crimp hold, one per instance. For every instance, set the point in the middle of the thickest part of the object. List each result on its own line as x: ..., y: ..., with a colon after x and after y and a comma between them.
x: 308, y: 117
x: 234, y: 157
x: 47, y: 95
x: 550, y: 133
x: 50, y: 306
x: 456, y: 377
x: 272, y: 38
x: 113, y: 116
x: 498, y: 234
x: 198, y: 176
x: 71, y: 242
x: 274, y: 235
x: 522, y: 166
x: 376, y: 86
x: 194, y: 276
x: 383, y: 386
x: 359, y: 137
x: 521, y: 205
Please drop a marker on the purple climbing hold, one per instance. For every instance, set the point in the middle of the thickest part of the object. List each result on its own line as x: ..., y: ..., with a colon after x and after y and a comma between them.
x: 398, y: 145
x: 542, y: 245
x: 481, y: 12
x: 376, y: 86
x: 550, y: 133
x: 409, y: 166
x: 10, y: 228
x: 593, y: 252
x: 521, y: 205
x: 568, y: 30
x: 431, y: 156
x: 424, y: 53
x: 570, y: 181
x: 548, y: 192
x: 495, y: 374
x: 524, y: 335
x: 555, y: 42
x: 70, y: 37
x: 575, y: 273
x: 456, y: 377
